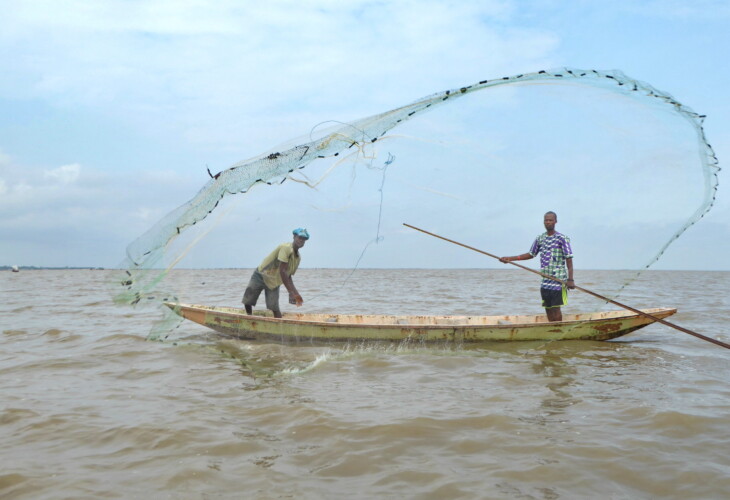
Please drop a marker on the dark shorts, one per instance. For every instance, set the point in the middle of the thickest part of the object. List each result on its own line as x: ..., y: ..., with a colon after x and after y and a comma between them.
x: 255, y: 287
x: 554, y: 298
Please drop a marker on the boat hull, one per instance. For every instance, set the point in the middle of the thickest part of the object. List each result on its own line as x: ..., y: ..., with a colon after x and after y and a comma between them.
x: 293, y: 327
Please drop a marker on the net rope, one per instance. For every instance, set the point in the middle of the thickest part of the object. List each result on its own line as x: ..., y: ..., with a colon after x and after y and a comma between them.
x: 143, y: 271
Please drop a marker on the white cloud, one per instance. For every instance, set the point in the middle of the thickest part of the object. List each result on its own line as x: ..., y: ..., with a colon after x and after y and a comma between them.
x: 87, y: 200
x: 66, y: 174
x: 214, y: 70
x: 239, y: 77
x: 4, y: 162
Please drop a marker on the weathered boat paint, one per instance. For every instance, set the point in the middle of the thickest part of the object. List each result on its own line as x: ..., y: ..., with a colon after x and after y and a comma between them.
x: 297, y: 327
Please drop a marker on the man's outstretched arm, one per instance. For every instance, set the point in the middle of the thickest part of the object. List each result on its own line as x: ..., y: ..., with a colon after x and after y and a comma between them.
x: 522, y: 256
x: 294, y: 297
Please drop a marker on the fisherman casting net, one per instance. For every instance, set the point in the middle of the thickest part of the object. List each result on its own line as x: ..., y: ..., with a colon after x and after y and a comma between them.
x: 626, y: 166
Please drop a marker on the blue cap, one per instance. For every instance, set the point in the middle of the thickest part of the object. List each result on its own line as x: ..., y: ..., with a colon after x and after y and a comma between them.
x: 300, y: 231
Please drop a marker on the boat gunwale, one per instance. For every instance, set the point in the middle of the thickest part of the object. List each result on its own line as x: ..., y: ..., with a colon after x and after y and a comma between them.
x: 660, y: 312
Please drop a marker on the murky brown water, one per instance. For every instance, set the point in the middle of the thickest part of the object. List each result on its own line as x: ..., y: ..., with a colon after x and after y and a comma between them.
x: 90, y: 409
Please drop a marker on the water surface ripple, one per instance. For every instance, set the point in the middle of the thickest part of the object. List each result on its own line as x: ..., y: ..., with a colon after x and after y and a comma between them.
x: 90, y: 409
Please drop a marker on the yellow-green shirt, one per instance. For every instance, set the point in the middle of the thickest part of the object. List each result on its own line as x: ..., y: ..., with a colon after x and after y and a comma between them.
x: 269, y: 268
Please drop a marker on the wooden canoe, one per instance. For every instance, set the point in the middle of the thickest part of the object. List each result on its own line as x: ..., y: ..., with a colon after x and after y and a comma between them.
x: 295, y: 327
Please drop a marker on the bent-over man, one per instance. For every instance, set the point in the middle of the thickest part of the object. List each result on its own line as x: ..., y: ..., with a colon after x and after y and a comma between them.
x: 276, y: 269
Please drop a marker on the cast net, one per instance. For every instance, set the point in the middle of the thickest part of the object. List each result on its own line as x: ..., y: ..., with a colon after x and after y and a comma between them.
x: 627, y: 168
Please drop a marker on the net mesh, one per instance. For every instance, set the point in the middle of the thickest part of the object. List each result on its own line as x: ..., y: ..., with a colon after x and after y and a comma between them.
x: 586, y: 129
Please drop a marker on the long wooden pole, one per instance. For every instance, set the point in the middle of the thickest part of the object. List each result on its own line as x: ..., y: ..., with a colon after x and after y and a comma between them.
x: 638, y: 311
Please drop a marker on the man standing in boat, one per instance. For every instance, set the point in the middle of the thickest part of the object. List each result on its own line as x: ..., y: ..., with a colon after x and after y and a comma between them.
x: 277, y: 268
x: 555, y: 256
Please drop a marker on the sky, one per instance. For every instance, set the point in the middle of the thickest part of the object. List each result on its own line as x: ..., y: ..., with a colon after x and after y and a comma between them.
x: 111, y: 113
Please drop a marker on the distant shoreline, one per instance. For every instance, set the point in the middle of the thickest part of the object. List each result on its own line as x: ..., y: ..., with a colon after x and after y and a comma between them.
x: 40, y: 268
x: 91, y: 268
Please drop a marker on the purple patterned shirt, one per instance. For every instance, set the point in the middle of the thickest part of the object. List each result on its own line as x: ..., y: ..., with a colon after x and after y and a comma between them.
x: 553, y: 251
